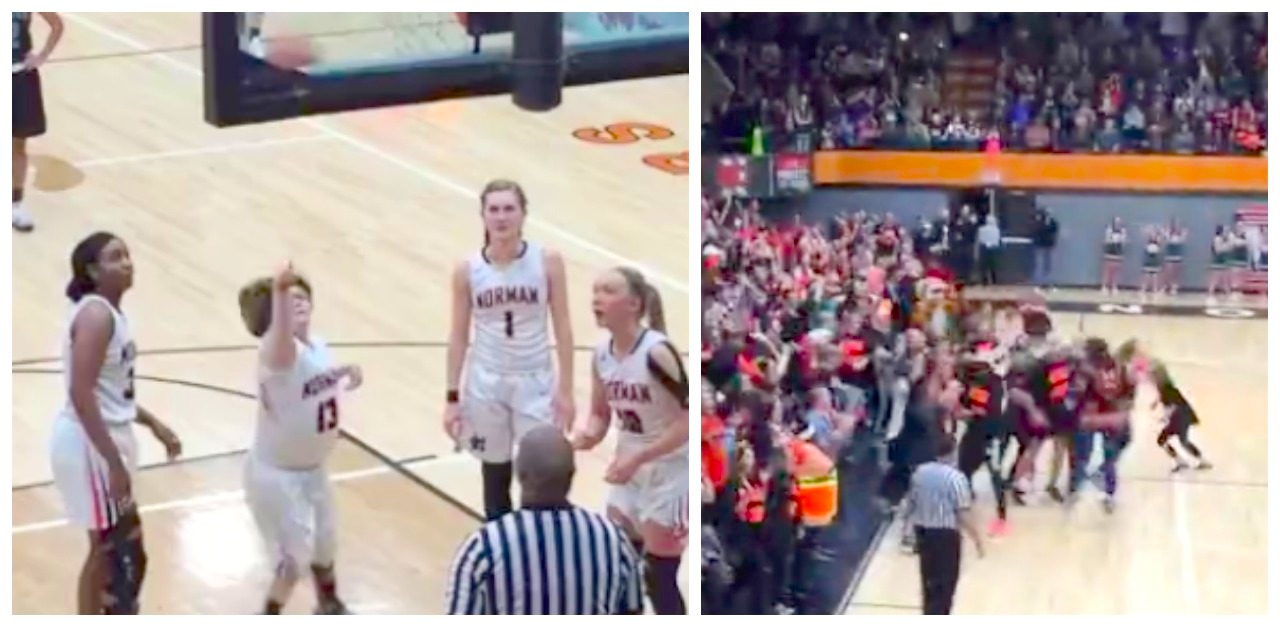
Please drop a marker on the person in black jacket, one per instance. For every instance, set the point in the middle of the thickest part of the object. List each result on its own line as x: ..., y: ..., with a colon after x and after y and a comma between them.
x: 915, y: 445
x: 964, y: 237
x: 1045, y: 240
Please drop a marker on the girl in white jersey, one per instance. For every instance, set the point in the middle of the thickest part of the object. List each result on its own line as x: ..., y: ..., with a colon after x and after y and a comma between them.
x: 299, y: 408
x: 93, y: 450
x: 502, y: 295
x: 639, y: 376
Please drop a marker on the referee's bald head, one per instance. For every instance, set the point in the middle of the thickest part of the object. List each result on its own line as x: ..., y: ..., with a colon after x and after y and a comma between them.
x: 544, y: 464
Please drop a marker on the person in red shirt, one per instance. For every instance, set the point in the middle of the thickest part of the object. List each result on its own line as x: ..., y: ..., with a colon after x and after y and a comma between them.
x: 1105, y: 406
x: 715, y: 462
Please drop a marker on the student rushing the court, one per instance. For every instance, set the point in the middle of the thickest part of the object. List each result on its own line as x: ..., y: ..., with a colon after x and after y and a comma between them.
x: 93, y: 450
x: 638, y: 376
x: 502, y: 295
x: 28, y: 101
x: 1176, y: 413
x: 300, y: 388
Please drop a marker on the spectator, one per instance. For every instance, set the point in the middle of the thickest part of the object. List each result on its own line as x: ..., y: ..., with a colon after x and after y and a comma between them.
x: 1085, y: 121
x: 1020, y: 117
x: 868, y: 131
x: 988, y: 250
x: 1058, y: 141
x: 917, y: 135
x: 1114, y: 61
x: 1134, y: 130
x: 1183, y: 141
x: 964, y: 234
x: 1038, y: 135
x: 1109, y: 140
x: 801, y: 123
x: 1211, y: 142
x: 1044, y: 241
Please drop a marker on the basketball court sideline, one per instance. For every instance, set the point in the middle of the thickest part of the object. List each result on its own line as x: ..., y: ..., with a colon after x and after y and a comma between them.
x: 374, y: 207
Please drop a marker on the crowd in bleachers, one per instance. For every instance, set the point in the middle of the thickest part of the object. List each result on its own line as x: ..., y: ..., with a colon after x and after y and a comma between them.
x: 1182, y: 83
x: 817, y: 338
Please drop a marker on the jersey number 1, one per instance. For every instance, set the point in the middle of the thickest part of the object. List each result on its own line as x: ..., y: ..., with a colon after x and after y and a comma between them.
x: 128, y: 391
x: 511, y: 324
x: 327, y: 418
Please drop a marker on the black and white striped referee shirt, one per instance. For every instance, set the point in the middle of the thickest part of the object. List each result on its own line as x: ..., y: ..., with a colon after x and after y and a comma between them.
x: 939, y: 492
x: 546, y: 561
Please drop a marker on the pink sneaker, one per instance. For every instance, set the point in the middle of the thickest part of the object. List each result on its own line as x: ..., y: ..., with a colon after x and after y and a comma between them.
x: 998, y: 527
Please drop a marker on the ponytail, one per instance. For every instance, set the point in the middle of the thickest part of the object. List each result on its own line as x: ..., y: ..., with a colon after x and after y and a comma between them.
x: 650, y: 299
x: 653, y: 306
x: 79, y: 287
x: 83, y: 256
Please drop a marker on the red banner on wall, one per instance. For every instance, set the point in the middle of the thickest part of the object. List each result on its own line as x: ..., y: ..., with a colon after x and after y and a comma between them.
x: 793, y: 173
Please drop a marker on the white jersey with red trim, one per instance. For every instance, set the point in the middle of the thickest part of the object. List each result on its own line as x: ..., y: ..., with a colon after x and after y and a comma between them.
x: 509, y: 313
x: 299, y: 409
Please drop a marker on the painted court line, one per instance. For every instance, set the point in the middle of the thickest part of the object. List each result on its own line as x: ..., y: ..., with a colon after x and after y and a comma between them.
x: 406, y: 165
x: 198, y: 152
x: 218, y: 498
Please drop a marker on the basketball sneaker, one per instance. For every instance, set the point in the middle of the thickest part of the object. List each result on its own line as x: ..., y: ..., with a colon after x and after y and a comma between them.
x: 1055, y: 494
x: 21, y: 219
x: 908, y: 543
x: 998, y: 527
x: 1179, y: 467
x: 1109, y: 504
x: 332, y: 607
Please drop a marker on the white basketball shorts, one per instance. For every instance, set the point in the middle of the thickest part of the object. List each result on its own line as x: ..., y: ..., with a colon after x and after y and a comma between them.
x: 81, y: 473
x: 499, y: 409
x: 294, y: 512
x: 657, y: 493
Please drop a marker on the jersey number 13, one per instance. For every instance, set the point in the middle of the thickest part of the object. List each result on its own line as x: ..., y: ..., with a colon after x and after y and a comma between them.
x: 327, y: 416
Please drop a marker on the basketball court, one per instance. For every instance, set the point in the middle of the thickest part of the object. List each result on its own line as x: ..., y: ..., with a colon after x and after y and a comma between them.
x: 374, y: 208
x: 1191, y: 543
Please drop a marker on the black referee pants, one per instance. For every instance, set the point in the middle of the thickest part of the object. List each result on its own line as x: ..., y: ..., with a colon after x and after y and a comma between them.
x: 939, y: 551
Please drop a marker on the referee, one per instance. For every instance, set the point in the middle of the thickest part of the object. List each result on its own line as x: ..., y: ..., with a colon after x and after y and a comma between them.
x: 938, y: 504
x: 548, y: 557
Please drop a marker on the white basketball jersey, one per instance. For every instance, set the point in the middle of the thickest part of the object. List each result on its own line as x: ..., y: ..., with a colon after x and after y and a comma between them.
x: 643, y: 408
x: 298, y: 410
x: 509, y: 313
x: 114, y: 389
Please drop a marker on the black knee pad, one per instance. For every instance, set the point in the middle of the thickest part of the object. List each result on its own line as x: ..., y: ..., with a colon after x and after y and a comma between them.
x: 125, y: 559
x: 497, y: 489
x: 660, y: 577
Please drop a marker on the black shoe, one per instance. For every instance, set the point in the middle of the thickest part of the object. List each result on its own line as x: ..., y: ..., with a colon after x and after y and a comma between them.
x: 1055, y: 494
x: 1019, y: 497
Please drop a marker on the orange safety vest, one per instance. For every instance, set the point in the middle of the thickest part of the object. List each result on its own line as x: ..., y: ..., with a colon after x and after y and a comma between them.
x: 817, y: 486
x: 818, y: 499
